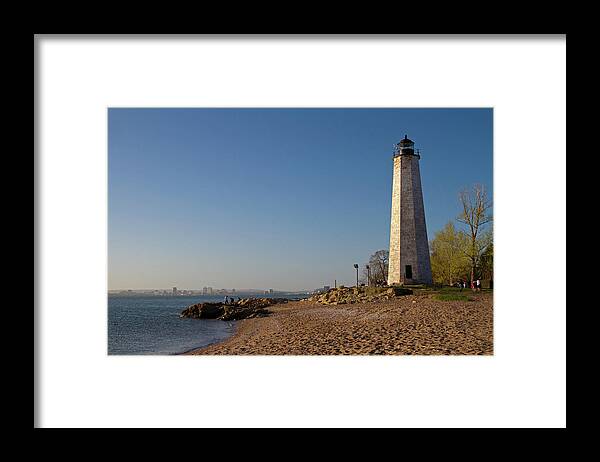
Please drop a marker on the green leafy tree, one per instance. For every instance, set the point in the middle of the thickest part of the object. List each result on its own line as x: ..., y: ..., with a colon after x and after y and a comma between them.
x: 449, y: 261
x: 486, y: 268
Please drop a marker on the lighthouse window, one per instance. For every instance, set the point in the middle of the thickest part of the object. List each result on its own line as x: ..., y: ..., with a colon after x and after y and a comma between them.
x: 408, y: 271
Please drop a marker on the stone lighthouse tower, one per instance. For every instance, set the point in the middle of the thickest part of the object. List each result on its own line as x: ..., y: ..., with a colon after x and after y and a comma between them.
x: 409, y: 249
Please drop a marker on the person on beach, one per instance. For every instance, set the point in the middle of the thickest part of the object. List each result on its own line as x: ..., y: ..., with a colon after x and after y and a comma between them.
x: 226, y: 300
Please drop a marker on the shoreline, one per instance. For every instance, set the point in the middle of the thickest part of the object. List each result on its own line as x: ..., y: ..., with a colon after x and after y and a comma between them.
x: 191, y: 350
x: 405, y: 325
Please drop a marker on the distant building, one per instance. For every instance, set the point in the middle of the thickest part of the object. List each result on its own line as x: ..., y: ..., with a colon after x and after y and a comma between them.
x: 174, y: 290
x: 210, y: 290
x: 326, y: 288
x: 233, y: 291
x: 204, y: 290
x: 270, y: 291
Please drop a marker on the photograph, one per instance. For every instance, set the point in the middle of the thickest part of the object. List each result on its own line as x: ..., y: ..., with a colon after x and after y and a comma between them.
x: 300, y: 231
x: 314, y: 218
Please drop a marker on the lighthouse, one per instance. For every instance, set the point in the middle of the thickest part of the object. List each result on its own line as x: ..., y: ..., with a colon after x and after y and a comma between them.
x: 409, y: 249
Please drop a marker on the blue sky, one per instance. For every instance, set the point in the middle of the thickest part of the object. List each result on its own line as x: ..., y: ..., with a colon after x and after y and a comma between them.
x: 273, y: 198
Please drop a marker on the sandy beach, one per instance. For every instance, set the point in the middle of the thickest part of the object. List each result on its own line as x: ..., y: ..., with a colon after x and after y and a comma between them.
x: 406, y: 325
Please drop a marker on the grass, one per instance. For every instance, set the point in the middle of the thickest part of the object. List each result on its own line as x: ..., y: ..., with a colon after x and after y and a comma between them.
x: 452, y: 290
x: 449, y: 297
x: 444, y: 293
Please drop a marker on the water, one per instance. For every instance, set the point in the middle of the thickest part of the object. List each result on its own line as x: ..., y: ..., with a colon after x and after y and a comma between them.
x: 150, y: 325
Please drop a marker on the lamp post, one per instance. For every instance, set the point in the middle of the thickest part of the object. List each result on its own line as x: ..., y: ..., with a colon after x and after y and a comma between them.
x: 356, y: 266
x: 368, y: 275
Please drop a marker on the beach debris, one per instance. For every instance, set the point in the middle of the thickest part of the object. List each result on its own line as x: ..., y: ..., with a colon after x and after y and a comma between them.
x: 363, y: 294
x: 242, y: 309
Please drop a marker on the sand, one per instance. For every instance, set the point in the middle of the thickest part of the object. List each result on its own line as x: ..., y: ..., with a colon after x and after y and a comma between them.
x: 407, y: 325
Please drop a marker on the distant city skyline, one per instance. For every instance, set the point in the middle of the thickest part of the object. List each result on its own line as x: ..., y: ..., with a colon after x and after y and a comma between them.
x: 287, y: 199
x: 213, y: 289
x: 195, y: 289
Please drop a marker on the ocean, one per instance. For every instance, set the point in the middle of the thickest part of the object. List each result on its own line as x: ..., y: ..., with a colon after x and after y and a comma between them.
x: 150, y: 324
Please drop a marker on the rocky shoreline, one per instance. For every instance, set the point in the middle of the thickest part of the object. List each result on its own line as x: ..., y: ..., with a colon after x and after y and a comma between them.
x: 362, y: 294
x: 412, y: 324
x: 242, y: 309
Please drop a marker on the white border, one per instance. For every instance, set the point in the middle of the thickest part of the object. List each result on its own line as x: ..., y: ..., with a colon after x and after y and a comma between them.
x: 523, y: 384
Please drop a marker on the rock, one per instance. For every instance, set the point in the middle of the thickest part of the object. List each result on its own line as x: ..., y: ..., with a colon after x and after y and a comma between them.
x: 343, y: 295
x: 203, y: 311
x: 242, y: 309
x: 401, y: 291
x: 233, y: 313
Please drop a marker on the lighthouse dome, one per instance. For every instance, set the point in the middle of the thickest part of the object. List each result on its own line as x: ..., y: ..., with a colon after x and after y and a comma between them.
x: 406, y: 142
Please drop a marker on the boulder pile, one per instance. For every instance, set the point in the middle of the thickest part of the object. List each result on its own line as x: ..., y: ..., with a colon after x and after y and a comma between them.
x: 362, y: 294
x: 242, y: 309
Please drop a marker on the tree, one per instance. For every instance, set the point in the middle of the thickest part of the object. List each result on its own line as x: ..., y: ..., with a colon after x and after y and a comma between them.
x: 378, y: 264
x: 487, y: 261
x: 475, y: 215
x: 448, y: 255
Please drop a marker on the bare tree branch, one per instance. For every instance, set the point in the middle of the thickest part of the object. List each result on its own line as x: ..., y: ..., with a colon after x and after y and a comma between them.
x: 475, y: 215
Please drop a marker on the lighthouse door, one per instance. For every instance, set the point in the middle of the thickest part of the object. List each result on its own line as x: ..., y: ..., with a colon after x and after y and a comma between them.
x: 408, y: 272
